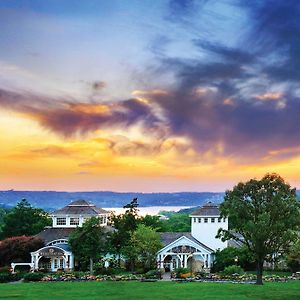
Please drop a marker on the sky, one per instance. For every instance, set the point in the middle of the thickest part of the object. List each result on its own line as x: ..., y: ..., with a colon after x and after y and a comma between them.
x: 148, y: 96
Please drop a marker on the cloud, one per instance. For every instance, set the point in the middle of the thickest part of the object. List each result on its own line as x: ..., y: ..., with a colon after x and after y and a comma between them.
x: 68, y: 117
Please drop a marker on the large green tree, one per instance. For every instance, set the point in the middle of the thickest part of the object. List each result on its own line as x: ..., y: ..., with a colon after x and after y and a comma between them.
x: 89, y: 242
x: 24, y: 220
x: 143, y: 246
x: 125, y: 224
x: 264, y: 215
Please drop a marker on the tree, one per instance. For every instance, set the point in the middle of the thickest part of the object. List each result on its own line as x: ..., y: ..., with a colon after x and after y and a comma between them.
x: 233, y: 256
x: 293, y: 257
x: 24, y: 220
x: 18, y: 248
x: 147, y: 243
x: 124, y: 224
x: 154, y: 222
x: 89, y: 242
x: 177, y: 223
x: 264, y: 215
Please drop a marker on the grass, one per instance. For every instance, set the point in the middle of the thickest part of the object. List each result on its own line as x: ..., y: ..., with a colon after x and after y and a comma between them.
x: 147, y: 290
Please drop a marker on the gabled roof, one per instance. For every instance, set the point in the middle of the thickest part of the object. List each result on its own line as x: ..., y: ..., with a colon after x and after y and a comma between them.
x: 169, y: 237
x: 51, y: 234
x: 208, y: 209
x: 80, y: 207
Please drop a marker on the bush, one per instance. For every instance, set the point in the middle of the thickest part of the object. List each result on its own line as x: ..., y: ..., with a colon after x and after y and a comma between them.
x: 152, y: 274
x: 183, y: 272
x: 8, y: 277
x: 233, y: 269
x: 33, y: 276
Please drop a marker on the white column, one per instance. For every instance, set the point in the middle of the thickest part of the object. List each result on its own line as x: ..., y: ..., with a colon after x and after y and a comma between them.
x: 184, y: 260
x: 71, y: 265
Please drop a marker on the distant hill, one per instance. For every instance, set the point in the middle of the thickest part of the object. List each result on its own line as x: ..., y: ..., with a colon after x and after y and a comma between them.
x: 50, y: 200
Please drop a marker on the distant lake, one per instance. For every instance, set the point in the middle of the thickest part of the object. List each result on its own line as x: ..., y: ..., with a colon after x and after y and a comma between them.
x: 150, y: 210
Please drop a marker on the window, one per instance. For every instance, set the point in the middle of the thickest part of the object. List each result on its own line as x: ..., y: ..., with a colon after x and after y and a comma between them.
x: 55, y: 263
x: 74, y: 221
x: 224, y: 219
x: 213, y: 220
x: 205, y: 220
x: 219, y: 220
x: 60, y: 221
x: 199, y: 220
x: 194, y: 220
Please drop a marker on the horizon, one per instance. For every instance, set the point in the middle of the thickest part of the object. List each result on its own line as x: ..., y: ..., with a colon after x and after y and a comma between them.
x: 153, y: 96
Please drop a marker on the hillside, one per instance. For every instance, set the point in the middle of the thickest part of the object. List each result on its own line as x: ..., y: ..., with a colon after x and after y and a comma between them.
x: 50, y: 200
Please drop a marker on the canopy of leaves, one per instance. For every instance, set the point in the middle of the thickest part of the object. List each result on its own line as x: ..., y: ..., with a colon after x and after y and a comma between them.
x: 24, y: 220
x: 89, y: 242
x: 233, y: 256
x: 143, y: 246
x: 17, y: 249
x: 264, y: 213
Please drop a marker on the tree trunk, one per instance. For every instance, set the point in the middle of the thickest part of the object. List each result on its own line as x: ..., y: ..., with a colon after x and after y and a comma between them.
x: 91, y: 266
x: 259, y: 271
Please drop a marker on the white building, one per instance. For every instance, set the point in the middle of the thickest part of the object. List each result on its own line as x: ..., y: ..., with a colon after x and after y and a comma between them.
x: 57, y: 254
x: 194, y: 249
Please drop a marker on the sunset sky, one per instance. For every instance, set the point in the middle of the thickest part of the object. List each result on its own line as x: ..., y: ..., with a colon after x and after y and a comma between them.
x: 152, y: 95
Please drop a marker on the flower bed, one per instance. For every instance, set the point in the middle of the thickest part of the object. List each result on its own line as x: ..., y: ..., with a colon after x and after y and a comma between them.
x: 88, y: 277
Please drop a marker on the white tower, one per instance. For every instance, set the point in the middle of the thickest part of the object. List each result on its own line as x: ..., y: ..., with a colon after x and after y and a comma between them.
x: 206, y: 222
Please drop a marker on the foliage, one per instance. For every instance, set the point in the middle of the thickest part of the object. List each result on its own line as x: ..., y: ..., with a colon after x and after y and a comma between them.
x: 231, y: 255
x: 89, y: 242
x: 180, y: 271
x: 177, y: 223
x: 293, y: 257
x: 24, y: 220
x: 8, y: 277
x: 265, y: 214
x: 17, y: 249
x: 125, y: 225
x: 36, y: 276
x: 154, y: 222
x: 152, y: 274
x: 143, y: 246
x: 233, y: 269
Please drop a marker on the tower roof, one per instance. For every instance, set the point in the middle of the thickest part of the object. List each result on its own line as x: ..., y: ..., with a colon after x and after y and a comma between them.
x: 208, y: 209
x: 80, y: 207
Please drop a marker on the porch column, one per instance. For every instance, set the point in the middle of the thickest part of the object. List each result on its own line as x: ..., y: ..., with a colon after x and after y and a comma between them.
x: 184, y: 260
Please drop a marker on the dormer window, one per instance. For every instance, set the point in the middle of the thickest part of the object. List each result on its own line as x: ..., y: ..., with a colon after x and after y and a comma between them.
x: 61, y: 221
x: 74, y: 221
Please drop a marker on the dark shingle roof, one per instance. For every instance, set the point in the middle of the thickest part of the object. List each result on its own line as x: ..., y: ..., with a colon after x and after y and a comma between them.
x: 80, y: 207
x: 208, y: 209
x: 51, y: 234
x: 169, y: 237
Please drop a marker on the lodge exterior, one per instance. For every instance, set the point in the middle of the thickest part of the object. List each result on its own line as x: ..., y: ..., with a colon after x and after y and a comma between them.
x: 57, y: 255
x: 193, y: 249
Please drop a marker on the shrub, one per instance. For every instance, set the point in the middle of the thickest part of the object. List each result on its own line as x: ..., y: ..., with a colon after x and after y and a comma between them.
x: 8, y: 277
x: 152, y: 274
x: 183, y: 272
x: 233, y: 269
x: 33, y: 276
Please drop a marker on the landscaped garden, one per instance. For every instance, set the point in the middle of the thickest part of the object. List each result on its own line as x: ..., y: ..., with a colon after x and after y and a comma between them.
x: 149, y: 290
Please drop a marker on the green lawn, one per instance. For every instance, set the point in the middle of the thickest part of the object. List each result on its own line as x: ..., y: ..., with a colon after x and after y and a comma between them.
x: 149, y: 290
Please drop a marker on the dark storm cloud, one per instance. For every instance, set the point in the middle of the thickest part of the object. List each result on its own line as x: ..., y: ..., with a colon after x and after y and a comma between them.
x: 66, y: 117
x: 275, y: 32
